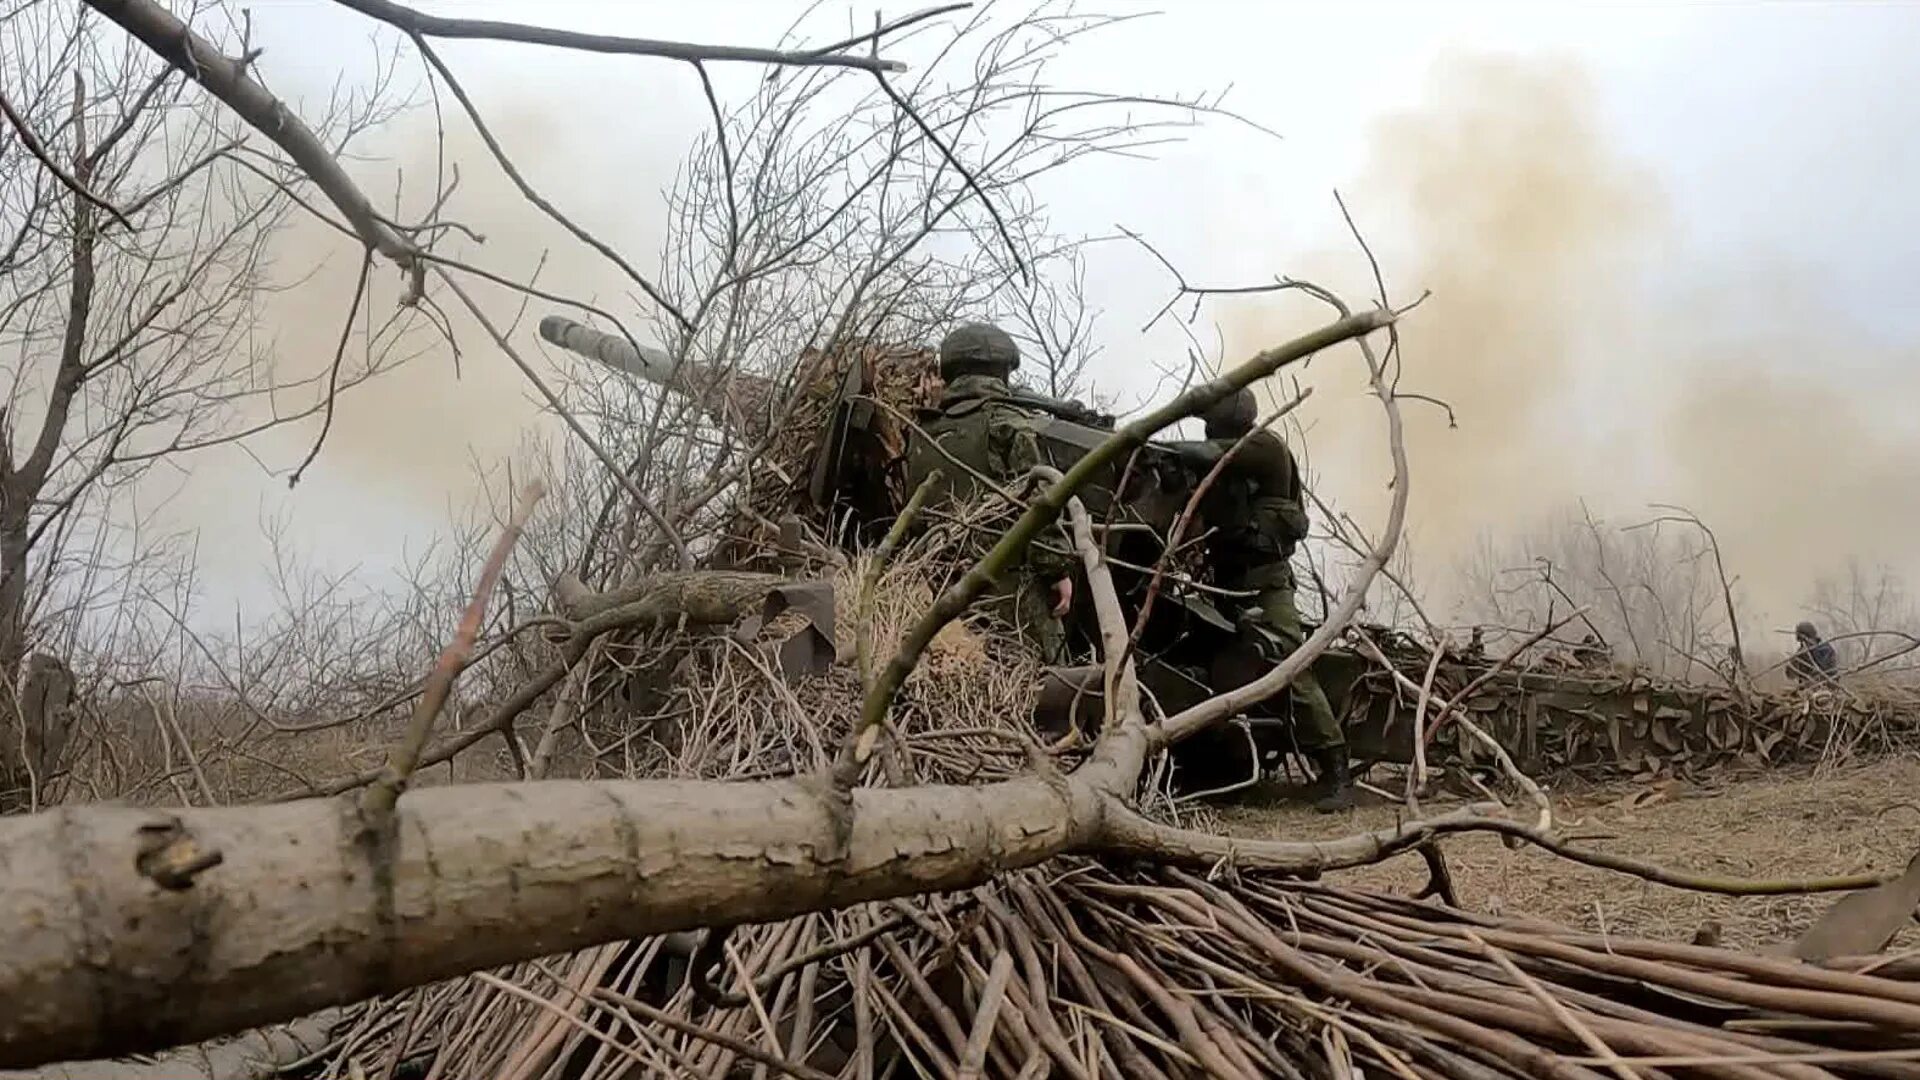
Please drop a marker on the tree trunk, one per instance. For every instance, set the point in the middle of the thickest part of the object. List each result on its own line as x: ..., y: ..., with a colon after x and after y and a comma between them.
x: 23, y: 485
x: 121, y: 945
x: 13, y: 595
x: 19, y: 741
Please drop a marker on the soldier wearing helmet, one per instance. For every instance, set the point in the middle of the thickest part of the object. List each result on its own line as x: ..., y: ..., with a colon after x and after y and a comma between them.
x: 1815, y: 661
x: 1255, y: 519
x: 982, y: 425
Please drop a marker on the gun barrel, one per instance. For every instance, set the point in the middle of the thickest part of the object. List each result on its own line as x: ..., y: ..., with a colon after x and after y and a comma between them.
x: 1205, y: 453
x: 735, y: 399
x: 616, y: 352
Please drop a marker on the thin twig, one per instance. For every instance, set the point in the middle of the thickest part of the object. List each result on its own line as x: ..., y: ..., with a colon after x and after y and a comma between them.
x: 378, y: 800
x: 966, y: 174
x: 333, y: 373
x: 540, y: 203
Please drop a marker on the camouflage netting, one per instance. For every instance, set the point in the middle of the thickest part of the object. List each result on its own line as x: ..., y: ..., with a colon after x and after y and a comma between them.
x: 828, y: 415
x: 879, y: 387
x: 1558, y: 711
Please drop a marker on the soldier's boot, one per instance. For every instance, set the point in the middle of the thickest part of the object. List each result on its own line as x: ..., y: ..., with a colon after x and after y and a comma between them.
x: 1336, y: 780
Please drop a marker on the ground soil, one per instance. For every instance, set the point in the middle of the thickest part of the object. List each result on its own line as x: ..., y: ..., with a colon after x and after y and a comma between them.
x: 1806, y: 823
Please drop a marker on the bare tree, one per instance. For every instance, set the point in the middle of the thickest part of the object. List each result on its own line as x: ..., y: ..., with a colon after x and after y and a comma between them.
x: 136, y: 232
x: 1870, y: 616
x: 1652, y: 594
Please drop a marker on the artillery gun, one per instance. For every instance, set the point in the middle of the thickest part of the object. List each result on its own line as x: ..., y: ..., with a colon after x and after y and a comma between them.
x: 839, y: 454
x: 852, y: 416
x: 836, y: 439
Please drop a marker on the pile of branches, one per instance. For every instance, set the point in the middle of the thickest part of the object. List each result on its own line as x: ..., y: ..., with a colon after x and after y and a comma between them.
x: 1086, y: 969
x: 722, y: 702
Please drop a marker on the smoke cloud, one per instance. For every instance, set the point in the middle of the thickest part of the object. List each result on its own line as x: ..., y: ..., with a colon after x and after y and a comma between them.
x: 1577, y: 369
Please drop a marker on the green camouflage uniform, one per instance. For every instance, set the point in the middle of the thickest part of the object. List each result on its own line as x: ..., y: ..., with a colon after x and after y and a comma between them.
x: 980, y: 422
x: 1255, y: 513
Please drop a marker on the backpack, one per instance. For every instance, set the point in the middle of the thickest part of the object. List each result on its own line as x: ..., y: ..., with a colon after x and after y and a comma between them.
x: 1249, y: 521
x: 962, y: 430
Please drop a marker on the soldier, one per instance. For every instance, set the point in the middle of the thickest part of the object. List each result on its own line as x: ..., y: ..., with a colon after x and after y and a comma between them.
x: 1592, y: 651
x: 1815, y: 661
x: 1255, y: 518
x: 990, y: 427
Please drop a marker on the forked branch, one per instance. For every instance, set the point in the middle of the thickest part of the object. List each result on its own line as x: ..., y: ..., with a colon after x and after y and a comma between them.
x: 227, y: 79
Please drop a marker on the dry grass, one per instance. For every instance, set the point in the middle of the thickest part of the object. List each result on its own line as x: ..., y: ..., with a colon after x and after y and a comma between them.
x: 1778, y: 825
x: 732, y: 716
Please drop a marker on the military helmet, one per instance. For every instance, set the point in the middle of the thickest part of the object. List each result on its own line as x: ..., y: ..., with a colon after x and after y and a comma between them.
x: 1231, y: 415
x: 978, y: 348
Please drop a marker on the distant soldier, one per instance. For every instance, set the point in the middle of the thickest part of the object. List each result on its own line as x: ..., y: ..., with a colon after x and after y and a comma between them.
x: 1815, y: 661
x: 987, y: 426
x: 1592, y: 651
x: 1256, y: 519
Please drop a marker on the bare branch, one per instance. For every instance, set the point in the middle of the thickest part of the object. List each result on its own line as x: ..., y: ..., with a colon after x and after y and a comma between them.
x: 39, y: 151
x: 227, y: 79
x: 1132, y: 834
x: 1683, y: 515
x: 420, y: 24
x: 333, y: 372
x: 527, y: 190
x: 1184, y: 724
x: 380, y: 798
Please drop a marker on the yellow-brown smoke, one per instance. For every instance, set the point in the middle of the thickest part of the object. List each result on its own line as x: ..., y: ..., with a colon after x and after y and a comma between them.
x: 1572, y: 377
x: 408, y: 450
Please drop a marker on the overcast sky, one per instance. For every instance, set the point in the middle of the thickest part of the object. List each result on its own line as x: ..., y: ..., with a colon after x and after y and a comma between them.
x: 1672, y: 248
